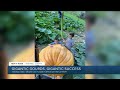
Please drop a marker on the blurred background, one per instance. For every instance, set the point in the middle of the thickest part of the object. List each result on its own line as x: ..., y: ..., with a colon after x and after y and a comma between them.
x: 16, y: 36
x: 103, y: 40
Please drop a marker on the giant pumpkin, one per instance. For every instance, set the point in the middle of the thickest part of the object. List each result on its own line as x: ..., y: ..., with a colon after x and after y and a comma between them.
x: 57, y: 55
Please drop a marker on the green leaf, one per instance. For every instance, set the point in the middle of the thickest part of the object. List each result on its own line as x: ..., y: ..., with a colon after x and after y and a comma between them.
x: 42, y: 29
x: 48, y: 32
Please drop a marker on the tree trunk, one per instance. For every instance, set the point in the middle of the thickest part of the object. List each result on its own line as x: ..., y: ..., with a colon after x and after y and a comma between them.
x: 36, y: 53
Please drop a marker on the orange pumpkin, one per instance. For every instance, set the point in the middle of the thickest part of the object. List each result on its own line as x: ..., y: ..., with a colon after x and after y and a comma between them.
x: 57, y: 55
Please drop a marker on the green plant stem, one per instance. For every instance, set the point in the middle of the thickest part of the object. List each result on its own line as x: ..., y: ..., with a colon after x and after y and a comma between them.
x: 62, y: 26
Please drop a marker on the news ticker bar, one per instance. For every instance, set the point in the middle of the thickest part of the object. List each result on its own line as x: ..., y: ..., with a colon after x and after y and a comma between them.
x: 26, y: 63
x: 63, y: 69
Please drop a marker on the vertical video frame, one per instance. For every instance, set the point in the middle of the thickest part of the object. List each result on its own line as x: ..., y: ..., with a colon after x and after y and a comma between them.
x: 60, y: 41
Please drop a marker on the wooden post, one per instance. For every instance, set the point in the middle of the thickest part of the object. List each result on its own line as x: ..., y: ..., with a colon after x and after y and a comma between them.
x: 3, y: 71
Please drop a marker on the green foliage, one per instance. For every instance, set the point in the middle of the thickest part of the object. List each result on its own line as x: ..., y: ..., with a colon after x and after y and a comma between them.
x: 109, y: 53
x: 79, y: 57
x: 47, y: 26
x: 45, y: 29
x: 73, y: 23
x: 19, y: 26
x: 80, y: 53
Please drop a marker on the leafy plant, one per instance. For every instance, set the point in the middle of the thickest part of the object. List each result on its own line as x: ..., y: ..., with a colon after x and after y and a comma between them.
x: 79, y: 56
x: 47, y: 26
x: 73, y: 23
x: 80, y: 53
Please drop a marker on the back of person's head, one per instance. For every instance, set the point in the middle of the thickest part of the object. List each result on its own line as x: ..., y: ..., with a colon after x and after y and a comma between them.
x: 91, y: 19
x: 56, y: 38
x: 72, y: 34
